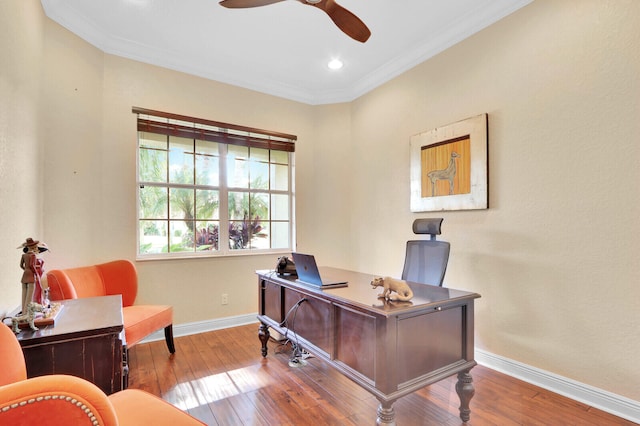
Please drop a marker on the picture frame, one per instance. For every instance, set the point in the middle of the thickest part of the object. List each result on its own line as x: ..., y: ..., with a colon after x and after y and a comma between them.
x: 449, y: 167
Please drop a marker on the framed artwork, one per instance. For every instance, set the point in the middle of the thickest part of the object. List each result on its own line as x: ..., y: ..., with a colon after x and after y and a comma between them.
x: 449, y: 167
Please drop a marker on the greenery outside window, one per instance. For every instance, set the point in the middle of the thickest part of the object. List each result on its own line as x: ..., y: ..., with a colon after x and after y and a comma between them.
x: 211, y: 188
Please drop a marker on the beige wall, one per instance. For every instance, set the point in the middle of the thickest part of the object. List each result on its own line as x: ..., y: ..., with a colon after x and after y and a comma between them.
x: 194, y: 286
x: 554, y: 257
x: 21, y: 167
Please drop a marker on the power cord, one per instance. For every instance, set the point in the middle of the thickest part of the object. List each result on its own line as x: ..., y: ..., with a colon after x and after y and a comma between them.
x: 298, y: 354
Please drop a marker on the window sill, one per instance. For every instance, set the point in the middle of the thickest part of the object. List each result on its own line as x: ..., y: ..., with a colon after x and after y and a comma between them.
x: 185, y: 256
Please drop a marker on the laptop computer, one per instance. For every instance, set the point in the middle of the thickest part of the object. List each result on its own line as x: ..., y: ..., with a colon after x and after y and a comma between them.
x: 309, y: 274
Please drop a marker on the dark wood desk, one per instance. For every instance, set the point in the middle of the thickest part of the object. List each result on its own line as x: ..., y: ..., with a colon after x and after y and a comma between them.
x: 86, y: 341
x: 389, y: 348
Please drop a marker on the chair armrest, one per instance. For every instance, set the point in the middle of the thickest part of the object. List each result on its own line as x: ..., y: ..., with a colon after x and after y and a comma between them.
x: 55, y: 399
x: 60, y: 285
x: 135, y: 407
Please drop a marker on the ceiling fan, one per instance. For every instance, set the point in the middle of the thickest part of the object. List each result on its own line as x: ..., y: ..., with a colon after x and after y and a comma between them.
x: 349, y: 23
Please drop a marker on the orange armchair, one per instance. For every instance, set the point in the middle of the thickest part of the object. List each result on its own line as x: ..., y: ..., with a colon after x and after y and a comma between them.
x: 68, y: 400
x: 111, y: 278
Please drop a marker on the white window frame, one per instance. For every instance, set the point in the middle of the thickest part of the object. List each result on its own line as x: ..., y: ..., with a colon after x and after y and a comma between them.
x: 239, y: 135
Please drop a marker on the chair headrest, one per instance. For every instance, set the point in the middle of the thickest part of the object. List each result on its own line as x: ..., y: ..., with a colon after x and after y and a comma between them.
x: 427, y: 226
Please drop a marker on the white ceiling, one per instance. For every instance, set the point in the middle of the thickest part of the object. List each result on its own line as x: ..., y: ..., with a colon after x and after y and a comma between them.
x: 281, y: 49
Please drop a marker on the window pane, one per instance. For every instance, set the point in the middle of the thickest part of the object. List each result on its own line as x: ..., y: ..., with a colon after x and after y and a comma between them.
x: 237, y: 151
x: 248, y: 234
x: 259, y: 175
x: 259, y: 154
x: 207, y: 204
x: 153, y: 236
x: 181, y: 236
x: 181, y: 204
x: 260, y: 235
x: 279, y: 177
x: 280, y: 157
x: 279, y: 207
x: 207, y: 236
x: 180, y: 160
x: 206, y: 147
x: 238, y: 205
x: 207, y: 170
x: 238, y: 235
x: 280, y: 235
x: 237, y: 173
x: 259, y: 206
x: 237, y: 170
x: 152, y: 140
x: 153, y: 165
x: 153, y: 202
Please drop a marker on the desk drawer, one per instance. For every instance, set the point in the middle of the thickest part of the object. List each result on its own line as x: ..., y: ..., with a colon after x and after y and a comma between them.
x: 429, y: 342
x: 271, y: 300
x: 312, y: 319
x: 356, y: 341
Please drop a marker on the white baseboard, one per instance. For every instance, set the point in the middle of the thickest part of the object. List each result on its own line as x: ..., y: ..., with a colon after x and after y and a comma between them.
x: 606, y: 401
x: 188, y: 329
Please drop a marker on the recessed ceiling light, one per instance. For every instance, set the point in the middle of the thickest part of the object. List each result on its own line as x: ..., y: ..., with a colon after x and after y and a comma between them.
x: 335, y: 64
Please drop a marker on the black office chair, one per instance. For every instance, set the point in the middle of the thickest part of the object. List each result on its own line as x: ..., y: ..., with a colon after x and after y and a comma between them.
x: 426, y: 260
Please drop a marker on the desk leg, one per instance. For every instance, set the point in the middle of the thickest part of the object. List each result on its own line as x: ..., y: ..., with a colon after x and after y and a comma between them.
x: 465, y: 391
x: 263, y: 335
x: 386, y: 414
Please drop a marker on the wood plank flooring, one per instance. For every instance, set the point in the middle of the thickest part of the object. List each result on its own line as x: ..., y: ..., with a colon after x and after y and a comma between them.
x: 220, y: 378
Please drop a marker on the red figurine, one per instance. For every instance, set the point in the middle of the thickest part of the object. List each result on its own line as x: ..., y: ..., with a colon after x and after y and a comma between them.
x: 33, y: 267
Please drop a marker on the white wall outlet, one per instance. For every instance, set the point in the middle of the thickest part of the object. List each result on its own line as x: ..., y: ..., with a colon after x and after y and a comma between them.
x: 225, y: 299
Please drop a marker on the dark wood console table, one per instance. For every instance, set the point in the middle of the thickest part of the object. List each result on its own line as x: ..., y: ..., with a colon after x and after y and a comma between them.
x: 86, y: 341
x: 390, y: 349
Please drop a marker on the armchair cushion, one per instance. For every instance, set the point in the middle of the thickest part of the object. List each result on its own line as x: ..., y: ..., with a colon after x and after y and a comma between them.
x: 142, y: 320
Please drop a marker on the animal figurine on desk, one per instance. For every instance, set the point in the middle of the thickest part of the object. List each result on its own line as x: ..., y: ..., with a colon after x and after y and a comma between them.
x: 402, y: 290
x: 27, y: 317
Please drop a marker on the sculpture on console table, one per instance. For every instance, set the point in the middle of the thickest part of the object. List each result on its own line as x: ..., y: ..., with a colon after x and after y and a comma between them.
x: 33, y: 268
x: 27, y: 317
x: 35, y: 305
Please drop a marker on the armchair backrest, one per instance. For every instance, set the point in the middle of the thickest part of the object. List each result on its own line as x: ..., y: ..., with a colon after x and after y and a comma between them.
x: 105, y: 279
x: 13, y: 366
x: 86, y: 281
x: 120, y: 277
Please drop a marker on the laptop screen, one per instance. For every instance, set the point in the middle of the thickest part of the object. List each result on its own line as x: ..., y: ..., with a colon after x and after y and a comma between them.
x: 308, y: 272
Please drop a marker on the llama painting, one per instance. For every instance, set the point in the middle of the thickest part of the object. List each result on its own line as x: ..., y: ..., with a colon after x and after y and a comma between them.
x: 449, y: 167
x: 445, y: 168
x: 447, y: 174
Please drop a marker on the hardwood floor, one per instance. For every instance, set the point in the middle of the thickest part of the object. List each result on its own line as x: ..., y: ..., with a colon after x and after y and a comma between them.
x: 221, y: 378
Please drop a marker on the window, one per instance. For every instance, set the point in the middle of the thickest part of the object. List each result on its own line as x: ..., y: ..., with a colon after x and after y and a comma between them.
x: 210, y: 188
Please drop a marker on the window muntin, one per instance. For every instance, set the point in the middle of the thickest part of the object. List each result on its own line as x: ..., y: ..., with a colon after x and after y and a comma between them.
x: 193, y: 194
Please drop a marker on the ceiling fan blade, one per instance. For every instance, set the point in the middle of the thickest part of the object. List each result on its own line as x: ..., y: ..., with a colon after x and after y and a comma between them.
x: 349, y: 23
x: 242, y: 4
